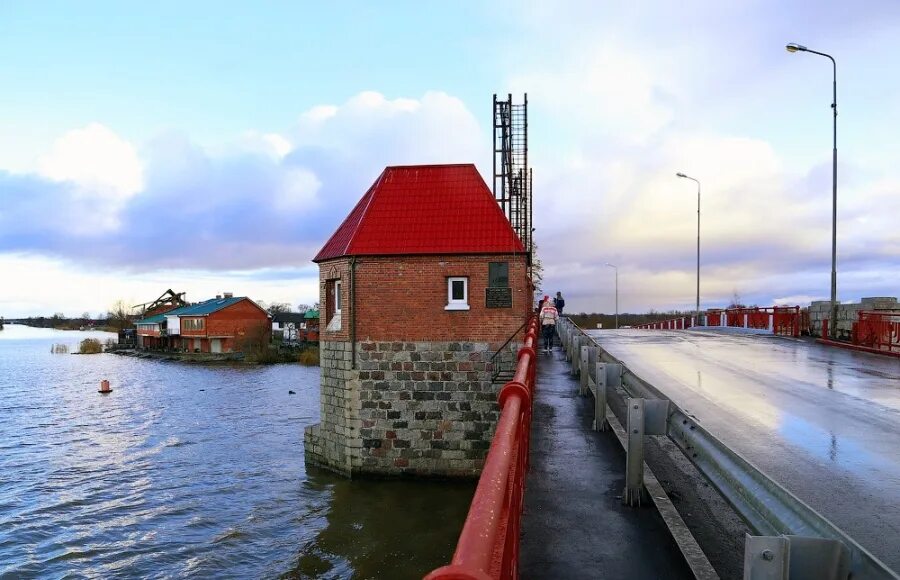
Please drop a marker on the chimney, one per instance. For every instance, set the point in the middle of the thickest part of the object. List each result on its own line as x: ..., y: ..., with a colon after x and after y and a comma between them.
x: 229, y: 295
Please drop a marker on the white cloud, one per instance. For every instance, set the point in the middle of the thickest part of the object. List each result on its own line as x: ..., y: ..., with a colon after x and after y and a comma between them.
x: 266, y: 200
x: 38, y: 280
x: 297, y: 190
x: 280, y: 146
x: 99, y: 161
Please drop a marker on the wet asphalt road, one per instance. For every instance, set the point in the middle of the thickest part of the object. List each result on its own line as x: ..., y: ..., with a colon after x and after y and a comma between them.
x: 824, y: 422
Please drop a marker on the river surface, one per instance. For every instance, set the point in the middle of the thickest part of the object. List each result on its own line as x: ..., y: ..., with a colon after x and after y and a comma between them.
x: 190, y: 471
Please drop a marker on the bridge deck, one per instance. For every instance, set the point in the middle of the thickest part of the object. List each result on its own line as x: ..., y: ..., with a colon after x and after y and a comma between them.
x: 822, y: 421
x: 575, y: 525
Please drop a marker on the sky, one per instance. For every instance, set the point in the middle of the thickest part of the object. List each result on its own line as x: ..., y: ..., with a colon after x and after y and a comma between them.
x: 215, y: 146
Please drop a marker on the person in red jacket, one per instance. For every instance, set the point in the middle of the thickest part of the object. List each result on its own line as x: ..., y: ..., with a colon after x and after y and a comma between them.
x: 548, y: 317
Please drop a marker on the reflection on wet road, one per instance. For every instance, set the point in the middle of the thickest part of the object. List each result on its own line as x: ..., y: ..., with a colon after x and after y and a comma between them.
x: 823, y: 422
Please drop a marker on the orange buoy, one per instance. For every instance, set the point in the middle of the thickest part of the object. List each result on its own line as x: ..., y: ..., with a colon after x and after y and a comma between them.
x: 104, y: 387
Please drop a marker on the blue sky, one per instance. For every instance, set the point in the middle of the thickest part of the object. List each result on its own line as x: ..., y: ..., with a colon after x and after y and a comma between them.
x: 215, y: 146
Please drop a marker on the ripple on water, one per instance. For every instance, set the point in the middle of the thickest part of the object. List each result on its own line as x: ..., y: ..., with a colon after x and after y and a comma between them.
x: 188, y: 471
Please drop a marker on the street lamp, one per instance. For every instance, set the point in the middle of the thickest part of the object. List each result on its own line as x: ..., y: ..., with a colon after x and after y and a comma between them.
x: 616, y: 268
x: 683, y: 176
x: 832, y: 329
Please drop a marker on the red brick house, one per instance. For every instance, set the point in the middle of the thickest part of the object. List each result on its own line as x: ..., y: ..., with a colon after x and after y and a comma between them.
x: 419, y: 286
x: 217, y: 325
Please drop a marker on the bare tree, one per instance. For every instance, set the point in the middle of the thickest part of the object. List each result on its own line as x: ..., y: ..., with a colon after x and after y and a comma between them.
x: 119, y: 315
x: 736, y: 300
x: 278, y: 308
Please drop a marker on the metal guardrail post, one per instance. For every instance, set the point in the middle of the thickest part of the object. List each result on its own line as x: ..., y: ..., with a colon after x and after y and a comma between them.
x: 795, y: 558
x: 644, y: 417
x: 575, y: 354
x: 634, y: 460
x: 600, y: 373
x: 593, y: 358
x: 573, y: 345
x: 584, y: 366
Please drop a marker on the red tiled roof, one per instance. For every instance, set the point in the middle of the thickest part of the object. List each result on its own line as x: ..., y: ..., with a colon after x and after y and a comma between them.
x: 424, y: 209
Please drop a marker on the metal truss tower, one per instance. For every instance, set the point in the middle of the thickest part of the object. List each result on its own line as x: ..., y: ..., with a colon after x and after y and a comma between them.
x: 512, y: 176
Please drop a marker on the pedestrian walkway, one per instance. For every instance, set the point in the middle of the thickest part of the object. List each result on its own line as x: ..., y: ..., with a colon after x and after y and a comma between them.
x: 574, y: 523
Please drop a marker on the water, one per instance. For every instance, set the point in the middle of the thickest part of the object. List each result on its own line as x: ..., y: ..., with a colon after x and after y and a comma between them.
x: 190, y: 471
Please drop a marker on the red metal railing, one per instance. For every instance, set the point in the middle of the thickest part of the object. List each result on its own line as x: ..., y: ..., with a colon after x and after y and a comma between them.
x: 783, y: 320
x: 488, y: 546
x: 788, y: 320
x: 671, y: 324
x: 877, y: 330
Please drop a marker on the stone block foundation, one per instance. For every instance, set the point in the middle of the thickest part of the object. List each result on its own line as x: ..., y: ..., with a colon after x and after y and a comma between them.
x: 408, y: 408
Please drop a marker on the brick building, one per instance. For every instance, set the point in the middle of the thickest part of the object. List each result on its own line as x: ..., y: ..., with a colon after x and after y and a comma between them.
x: 296, y: 326
x: 420, y: 286
x: 217, y: 325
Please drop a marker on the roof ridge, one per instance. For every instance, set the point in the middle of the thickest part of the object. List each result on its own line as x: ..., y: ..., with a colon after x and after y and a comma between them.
x: 415, y: 165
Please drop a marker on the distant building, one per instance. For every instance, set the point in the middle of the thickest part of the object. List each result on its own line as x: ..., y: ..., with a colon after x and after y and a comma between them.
x: 217, y: 325
x: 309, y: 330
x: 287, y: 325
x: 423, y: 282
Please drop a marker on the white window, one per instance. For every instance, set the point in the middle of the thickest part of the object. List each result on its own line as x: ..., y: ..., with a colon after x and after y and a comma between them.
x: 457, y: 293
x: 337, y: 296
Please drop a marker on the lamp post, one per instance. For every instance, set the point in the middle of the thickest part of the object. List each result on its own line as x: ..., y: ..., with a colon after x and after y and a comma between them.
x: 616, y: 268
x: 682, y: 175
x: 794, y: 47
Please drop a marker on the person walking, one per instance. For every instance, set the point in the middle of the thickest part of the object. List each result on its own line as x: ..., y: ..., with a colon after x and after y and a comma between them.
x: 559, y: 302
x: 548, y: 317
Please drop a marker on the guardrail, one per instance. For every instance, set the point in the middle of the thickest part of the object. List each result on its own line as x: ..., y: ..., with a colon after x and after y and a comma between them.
x: 878, y: 330
x: 793, y: 538
x: 781, y: 320
x: 488, y: 546
x: 670, y: 324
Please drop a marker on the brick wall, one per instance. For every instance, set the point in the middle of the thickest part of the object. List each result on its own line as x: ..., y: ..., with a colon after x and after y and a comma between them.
x: 403, y: 298
x: 238, y: 320
x: 338, y: 269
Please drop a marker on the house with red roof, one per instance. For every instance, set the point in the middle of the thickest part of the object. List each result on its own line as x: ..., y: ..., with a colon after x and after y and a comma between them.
x: 420, y: 286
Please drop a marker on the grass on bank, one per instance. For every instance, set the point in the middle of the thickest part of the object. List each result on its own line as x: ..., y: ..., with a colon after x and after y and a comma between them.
x: 90, y: 346
x: 258, y: 349
x: 309, y: 357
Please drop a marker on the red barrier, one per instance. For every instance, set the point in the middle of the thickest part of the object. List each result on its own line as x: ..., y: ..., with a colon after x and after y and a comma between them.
x: 787, y: 320
x: 671, y: 324
x: 783, y: 320
x: 877, y: 330
x: 488, y: 546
